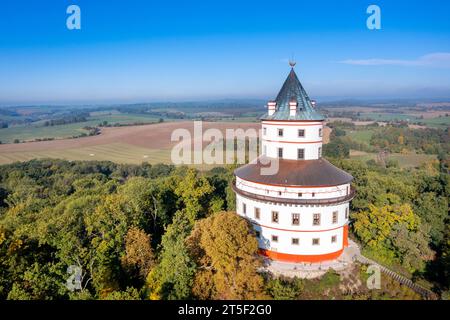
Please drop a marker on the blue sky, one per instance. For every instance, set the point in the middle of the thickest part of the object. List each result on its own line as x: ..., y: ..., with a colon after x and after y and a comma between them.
x: 136, y: 50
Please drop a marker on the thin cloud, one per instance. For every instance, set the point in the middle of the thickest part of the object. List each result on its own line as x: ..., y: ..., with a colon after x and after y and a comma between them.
x: 437, y: 60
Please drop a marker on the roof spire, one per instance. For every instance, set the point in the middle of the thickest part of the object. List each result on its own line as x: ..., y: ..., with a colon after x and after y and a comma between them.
x: 292, y: 62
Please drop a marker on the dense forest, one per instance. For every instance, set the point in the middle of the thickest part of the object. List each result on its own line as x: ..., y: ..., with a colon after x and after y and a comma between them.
x: 165, y: 232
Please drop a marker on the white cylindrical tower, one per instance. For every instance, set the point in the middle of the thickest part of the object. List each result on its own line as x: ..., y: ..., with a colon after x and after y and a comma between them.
x: 300, y: 213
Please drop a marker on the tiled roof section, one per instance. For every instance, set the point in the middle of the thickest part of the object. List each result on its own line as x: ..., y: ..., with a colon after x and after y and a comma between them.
x: 308, y: 173
x: 293, y: 90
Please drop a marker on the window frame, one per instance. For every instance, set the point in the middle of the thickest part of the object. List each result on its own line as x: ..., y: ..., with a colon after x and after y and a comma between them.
x: 293, y: 219
x: 303, y: 153
x: 318, y: 219
x: 281, y: 130
x: 257, y: 213
x: 277, y: 215
x: 335, y: 217
x: 280, y: 153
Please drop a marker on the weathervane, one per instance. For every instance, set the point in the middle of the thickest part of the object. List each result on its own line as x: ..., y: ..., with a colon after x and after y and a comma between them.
x: 292, y: 63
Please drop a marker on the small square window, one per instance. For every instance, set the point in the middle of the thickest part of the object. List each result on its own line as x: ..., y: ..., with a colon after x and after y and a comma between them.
x: 313, y: 194
x: 300, y: 194
x: 333, y: 239
x: 279, y: 193
x: 295, y: 241
x: 301, y: 133
x: 275, y: 238
x: 258, y: 234
x: 335, y: 217
x: 315, y: 241
x: 280, y: 132
x: 257, y: 213
x: 316, y: 219
x: 296, y: 219
x: 274, y: 216
x: 300, y: 154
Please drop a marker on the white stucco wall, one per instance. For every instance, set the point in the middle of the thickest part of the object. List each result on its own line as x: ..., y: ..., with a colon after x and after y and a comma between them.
x: 290, y: 141
x: 305, y: 231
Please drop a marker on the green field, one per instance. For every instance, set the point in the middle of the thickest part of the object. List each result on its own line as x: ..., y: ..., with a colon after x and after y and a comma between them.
x: 388, y: 117
x: 443, y: 122
x: 363, y: 135
x: 404, y: 160
x: 38, y: 131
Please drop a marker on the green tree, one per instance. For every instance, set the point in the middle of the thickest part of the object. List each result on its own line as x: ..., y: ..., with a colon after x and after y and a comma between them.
x: 172, y: 278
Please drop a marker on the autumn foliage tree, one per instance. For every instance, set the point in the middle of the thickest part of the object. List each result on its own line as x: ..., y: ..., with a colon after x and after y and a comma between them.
x: 138, y: 258
x: 225, y: 249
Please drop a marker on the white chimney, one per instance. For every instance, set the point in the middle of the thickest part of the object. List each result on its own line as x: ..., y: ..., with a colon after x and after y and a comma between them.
x: 292, y: 108
x: 271, y: 107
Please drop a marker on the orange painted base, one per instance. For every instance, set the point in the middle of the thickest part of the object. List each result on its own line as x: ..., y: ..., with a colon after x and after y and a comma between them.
x: 278, y: 256
x: 345, y: 237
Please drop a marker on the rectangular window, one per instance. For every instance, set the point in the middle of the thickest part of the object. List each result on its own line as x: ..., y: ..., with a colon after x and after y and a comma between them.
x: 320, y: 132
x: 280, y: 132
x: 300, y: 154
x: 315, y: 241
x: 257, y: 213
x: 301, y: 133
x: 333, y: 239
x: 279, y: 193
x: 346, y: 213
x: 300, y: 194
x: 316, y: 219
x: 320, y: 152
x: 313, y: 194
x: 244, y: 208
x: 335, y: 216
x: 275, y: 238
x: 264, y: 130
x: 258, y: 235
x: 274, y: 216
x: 280, y: 153
x: 295, y: 241
x: 265, y: 150
x: 296, y: 219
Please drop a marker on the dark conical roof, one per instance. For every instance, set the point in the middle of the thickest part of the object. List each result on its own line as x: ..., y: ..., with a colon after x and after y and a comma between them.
x: 292, y: 90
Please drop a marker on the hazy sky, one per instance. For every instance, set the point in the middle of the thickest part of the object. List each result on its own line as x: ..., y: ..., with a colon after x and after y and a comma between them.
x: 129, y: 51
